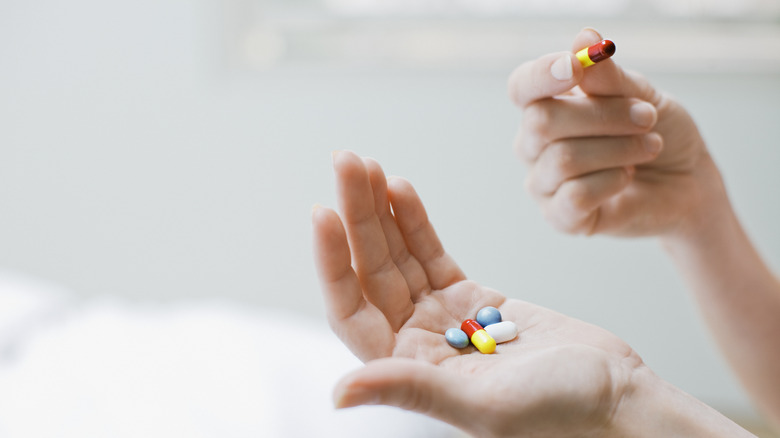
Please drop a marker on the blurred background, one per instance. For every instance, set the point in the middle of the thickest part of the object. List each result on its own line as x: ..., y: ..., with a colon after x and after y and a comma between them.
x: 169, y: 151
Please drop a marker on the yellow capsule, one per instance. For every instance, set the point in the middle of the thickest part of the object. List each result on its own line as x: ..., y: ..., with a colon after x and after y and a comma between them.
x: 483, y: 341
x: 596, y: 53
x: 479, y: 337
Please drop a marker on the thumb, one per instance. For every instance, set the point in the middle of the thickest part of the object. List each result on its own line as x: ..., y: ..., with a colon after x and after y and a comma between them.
x: 609, y: 79
x: 408, y: 384
x: 545, y: 77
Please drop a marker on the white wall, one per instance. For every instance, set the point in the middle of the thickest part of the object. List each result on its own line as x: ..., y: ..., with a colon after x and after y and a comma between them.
x: 134, y: 161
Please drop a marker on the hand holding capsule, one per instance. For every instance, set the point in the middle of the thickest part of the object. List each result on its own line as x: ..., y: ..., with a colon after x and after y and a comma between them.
x: 607, y: 152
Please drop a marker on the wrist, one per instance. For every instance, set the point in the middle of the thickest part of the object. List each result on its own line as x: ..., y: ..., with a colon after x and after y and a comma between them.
x: 652, y: 407
x: 708, y: 213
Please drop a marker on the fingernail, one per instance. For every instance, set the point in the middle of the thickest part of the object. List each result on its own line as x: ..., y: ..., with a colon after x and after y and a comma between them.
x: 315, y: 207
x: 333, y: 155
x: 642, y: 114
x: 561, y: 69
x: 653, y: 142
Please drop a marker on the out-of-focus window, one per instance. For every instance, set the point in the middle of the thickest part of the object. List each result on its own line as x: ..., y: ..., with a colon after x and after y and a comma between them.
x: 553, y: 8
x: 659, y: 35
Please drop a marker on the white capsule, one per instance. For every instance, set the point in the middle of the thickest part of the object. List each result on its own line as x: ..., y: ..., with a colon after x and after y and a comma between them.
x: 503, y: 331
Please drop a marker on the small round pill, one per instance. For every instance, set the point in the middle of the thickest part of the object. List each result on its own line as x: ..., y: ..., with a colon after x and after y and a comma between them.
x: 503, y: 331
x: 457, y: 338
x: 488, y: 315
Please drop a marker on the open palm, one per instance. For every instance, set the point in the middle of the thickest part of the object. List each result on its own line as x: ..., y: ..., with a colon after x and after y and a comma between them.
x: 392, y: 291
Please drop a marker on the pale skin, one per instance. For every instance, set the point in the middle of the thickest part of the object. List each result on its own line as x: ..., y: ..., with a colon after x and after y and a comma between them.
x: 595, y: 170
x: 391, y: 291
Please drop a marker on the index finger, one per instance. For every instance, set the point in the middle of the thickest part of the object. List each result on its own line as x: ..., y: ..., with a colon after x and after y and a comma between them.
x: 383, y: 283
x: 548, y: 76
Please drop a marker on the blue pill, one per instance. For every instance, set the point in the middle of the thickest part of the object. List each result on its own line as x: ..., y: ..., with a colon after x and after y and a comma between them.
x: 456, y: 338
x: 488, y: 315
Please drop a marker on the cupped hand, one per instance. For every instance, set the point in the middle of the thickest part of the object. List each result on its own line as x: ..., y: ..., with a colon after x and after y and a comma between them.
x: 391, y: 291
x: 607, y: 152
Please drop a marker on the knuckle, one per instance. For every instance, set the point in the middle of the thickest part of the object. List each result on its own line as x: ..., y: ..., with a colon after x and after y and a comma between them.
x: 530, y: 186
x: 528, y: 147
x: 558, y: 221
x: 638, y: 145
x: 517, y: 85
x: 537, y: 118
x: 575, y: 200
x: 568, y: 197
x: 602, y: 113
x: 521, y: 145
x: 564, y: 159
x: 571, y: 211
x: 535, y: 131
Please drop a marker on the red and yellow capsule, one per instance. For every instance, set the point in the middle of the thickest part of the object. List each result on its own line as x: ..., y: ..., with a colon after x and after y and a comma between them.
x: 479, y: 337
x: 596, y: 53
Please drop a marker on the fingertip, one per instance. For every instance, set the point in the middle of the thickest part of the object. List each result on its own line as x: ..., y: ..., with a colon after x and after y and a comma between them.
x: 353, y: 184
x: 341, y: 157
x: 654, y: 143
x: 371, y: 162
x: 334, y: 158
x: 398, y: 184
x: 402, y: 382
x: 320, y: 213
x: 350, y: 392
x: 342, y: 396
x: 348, y: 164
x: 545, y: 77
x: 591, y: 30
x: 340, y: 399
x: 375, y: 171
x: 340, y: 393
x: 363, y: 386
x: 328, y: 231
x: 314, y: 209
x: 586, y: 37
x: 401, y: 191
x: 643, y: 114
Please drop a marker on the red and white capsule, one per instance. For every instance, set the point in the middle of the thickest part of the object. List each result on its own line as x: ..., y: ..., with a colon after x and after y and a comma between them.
x: 479, y: 337
x: 596, y: 53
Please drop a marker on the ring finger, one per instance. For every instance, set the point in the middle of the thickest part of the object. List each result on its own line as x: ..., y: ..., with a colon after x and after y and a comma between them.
x: 572, y: 157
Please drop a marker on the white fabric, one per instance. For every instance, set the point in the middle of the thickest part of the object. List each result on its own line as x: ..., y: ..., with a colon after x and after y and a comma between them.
x: 206, y: 369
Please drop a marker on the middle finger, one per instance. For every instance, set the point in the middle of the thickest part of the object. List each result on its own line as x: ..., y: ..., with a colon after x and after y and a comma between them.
x: 573, y: 157
x: 549, y: 120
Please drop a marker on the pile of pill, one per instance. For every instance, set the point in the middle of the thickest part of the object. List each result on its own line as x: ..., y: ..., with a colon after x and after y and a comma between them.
x: 484, y: 332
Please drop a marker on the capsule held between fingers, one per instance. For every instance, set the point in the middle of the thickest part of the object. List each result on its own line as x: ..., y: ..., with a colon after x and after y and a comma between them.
x: 596, y: 53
